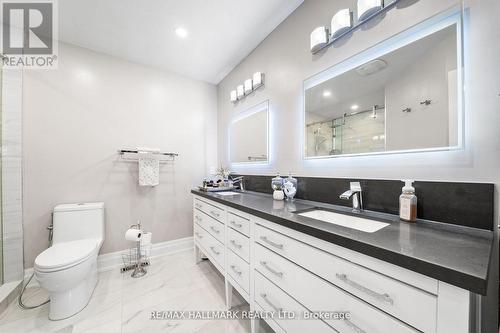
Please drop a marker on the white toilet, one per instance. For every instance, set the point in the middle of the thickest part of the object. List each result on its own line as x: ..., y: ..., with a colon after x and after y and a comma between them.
x: 68, y: 269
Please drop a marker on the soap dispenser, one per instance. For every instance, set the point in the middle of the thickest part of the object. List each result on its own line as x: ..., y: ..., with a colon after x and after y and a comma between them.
x: 408, y: 202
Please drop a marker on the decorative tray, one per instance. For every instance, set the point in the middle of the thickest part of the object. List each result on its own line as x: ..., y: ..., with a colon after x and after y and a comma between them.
x: 216, y: 189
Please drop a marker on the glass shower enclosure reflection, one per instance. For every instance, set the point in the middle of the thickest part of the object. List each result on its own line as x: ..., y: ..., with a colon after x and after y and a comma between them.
x: 353, y: 133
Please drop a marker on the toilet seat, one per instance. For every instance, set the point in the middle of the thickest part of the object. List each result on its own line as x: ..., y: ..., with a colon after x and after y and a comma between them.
x: 64, y: 255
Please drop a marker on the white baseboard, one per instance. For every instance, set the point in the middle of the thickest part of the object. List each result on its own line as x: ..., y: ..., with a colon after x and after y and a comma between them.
x: 109, y: 261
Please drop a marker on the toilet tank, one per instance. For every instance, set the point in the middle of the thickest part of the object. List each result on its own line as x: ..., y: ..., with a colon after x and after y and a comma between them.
x: 78, y: 221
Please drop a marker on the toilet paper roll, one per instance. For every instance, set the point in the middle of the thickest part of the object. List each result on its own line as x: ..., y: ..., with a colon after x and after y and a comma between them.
x: 133, y: 235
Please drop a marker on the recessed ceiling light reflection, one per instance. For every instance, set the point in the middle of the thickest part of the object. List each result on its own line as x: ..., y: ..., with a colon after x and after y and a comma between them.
x: 181, y: 32
x: 84, y: 76
x: 327, y: 93
x: 354, y: 107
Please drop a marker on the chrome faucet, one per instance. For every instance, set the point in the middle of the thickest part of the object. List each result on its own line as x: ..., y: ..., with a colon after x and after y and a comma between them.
x: 355, y: 194
x: 239, y: 181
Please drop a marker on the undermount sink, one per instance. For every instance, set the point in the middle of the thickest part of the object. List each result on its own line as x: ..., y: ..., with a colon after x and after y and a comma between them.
x: 227, y: 193
x: 344, y: 220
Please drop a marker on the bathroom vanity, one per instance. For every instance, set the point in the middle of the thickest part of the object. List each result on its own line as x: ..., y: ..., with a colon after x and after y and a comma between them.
x: 396, y: 277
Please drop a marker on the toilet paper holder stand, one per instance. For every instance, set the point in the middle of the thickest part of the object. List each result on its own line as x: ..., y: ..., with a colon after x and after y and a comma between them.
x: 136, y: 261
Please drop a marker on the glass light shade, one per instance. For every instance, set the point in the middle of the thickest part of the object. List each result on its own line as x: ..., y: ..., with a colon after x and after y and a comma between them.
x: 319, y: 38
x: 366, y: 8
x: 240, y: 91
x: 257, y: 79
x: 234, y: 97
x: 341, y: 22
x: 248, y: 86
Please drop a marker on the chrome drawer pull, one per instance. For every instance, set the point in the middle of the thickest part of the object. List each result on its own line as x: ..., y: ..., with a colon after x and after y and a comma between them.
x: 275, y: 272
x: 276, y: 245
x: 353, y: 326
x: 237, y: 225
x: 214, y: 251
x: 380, y: 297
x: 198, y: 235
x: 236, y: 244
x: 214, y: 213
x: 215, y: 230
x: 264, y: 297
x: 235, y: 270
x: 197, y: 205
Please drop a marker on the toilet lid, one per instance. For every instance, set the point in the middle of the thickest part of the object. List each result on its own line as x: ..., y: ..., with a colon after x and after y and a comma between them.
x: 65, y: 254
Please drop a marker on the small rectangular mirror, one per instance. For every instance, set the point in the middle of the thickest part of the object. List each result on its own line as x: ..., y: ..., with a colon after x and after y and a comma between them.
x: 248, y: 135
x: 401, y: 96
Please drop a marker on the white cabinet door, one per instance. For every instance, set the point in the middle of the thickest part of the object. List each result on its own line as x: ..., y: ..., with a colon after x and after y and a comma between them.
x: 273, y: 300
x: 316, y: 294
x: 409, y: 304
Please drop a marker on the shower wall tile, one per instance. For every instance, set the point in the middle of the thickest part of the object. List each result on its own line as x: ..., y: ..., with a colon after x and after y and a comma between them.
x: 12, y: 175
x: 13, y: 258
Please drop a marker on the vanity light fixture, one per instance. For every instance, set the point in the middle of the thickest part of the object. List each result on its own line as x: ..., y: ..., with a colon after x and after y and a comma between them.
x: 240, y: 91
x: 319, y: 38
x: 234, y: 96
x: 341, y: 22
x: 258, y: 79
x: 248, y: 87
x: 367, y: 8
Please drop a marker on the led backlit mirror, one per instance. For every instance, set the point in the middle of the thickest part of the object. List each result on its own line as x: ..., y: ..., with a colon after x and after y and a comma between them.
x: 400, y: 96
x: 248, y: 135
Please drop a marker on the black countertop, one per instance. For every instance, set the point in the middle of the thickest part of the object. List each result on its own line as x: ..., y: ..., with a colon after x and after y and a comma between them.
x: 456, y: 255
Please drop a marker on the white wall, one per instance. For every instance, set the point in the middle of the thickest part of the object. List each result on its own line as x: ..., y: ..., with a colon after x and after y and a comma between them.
x: 285, y: 59
x: 11, y: 173
x: 425, y: 79
x: 75, y: 120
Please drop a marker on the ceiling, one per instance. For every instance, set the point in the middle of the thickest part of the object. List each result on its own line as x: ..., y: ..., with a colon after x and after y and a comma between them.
x: 221, y: 33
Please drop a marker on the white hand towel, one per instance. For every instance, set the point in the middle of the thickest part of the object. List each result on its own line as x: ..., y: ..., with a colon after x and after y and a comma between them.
x: 149, y: 169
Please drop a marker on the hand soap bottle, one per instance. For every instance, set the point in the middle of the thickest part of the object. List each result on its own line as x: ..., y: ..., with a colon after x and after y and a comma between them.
x: 408, y: 202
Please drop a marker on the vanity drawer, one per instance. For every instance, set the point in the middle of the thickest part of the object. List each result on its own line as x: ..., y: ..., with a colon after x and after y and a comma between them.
x: 209, y: 209
x: 239, y: 270
x: 316, y: 294
x: 238, y: 223
x: 273, y: 299
x: 200, y: 234
x: 214, y: 227
x: 239, y: 244
x: 212, y: 248
x: 409, y: 304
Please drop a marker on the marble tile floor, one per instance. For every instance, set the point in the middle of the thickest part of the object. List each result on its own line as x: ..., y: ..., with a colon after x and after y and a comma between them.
x: 123, y: 304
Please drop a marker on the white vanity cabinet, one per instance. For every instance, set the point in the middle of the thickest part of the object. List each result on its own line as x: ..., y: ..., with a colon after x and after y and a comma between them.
x: 238, y: 250
x: 281, y: 270
x: 222, y: 234
x: 209, y: 233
